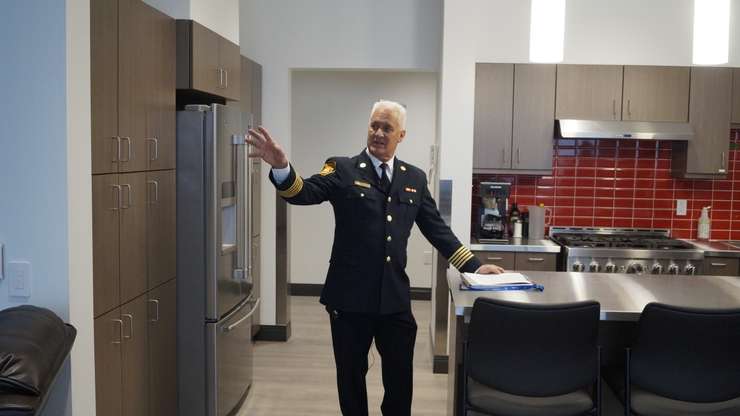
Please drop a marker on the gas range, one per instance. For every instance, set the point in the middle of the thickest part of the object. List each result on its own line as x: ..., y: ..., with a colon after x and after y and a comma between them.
x: 626, y: 250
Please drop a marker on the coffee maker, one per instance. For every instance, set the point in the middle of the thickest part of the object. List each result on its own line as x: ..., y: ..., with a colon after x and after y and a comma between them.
x: 494, y: 210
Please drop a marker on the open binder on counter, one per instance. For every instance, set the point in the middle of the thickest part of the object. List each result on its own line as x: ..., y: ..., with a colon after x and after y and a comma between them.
x: 503, y: 281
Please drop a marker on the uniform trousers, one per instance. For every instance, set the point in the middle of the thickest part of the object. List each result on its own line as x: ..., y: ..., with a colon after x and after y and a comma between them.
x: 352, y: 335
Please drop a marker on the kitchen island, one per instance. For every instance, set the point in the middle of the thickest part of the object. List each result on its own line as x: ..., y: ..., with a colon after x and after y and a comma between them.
x: 622, y: 298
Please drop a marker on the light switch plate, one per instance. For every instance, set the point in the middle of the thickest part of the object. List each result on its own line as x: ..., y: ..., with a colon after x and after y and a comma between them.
x: 19, y: 279
x: 681, y: 207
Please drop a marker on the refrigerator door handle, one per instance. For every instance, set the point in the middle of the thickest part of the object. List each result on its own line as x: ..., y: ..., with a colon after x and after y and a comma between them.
x: 238, y: 142
x: 243, y: 318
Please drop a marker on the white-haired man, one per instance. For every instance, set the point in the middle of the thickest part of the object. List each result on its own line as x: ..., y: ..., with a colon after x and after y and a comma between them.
x: 377, y: 198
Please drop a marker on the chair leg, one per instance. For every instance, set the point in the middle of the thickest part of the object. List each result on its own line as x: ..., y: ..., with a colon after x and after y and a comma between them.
x: 627, y: 392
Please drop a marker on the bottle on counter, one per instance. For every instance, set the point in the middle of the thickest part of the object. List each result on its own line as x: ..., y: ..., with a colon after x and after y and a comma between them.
x: 705, y: 224
x: 513, y: 218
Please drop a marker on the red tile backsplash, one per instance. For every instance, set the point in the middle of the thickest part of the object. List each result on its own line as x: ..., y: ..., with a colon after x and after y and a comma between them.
x: 623, y: 183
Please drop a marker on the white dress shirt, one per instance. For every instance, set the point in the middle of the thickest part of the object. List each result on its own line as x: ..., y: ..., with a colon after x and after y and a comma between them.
x: 282, y: 174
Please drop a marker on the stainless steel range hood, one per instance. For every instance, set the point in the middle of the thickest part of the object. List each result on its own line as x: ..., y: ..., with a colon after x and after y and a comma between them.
x: 636, y: 130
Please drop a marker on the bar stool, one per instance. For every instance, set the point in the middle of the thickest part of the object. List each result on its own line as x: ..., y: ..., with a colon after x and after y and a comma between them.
x: 526, y: 359
x: 684, y: 361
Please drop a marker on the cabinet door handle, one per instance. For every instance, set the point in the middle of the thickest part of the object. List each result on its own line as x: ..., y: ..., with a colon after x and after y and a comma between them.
x: 117, y: 197
x: 156, y: 192
x: 120, y: 331
x: 155, y: 302
x: 629, y: 108
x: 220, y: 78
x: 503, y: 155
x: 719, y: 264
x: 128, y: 149
x: 722, y: 167
x: 518, y: 161
x: 129, y: 198
x: 226, y: 78
x: 614, y: 108
x: 131, y: 326
x: 536, y: 259
x: 494, y: 258
x: 117, y: 156
x: 156, y: 148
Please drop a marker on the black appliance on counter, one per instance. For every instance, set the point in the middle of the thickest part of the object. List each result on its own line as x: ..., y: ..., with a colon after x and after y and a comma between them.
x: 494, y: 208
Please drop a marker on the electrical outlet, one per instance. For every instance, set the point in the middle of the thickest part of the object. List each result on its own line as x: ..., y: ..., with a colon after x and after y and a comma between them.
x: 19, y: 279
x: 681, y: 207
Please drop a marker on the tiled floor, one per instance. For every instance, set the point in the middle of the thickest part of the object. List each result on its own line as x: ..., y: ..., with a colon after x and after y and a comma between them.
x: 298, y: 377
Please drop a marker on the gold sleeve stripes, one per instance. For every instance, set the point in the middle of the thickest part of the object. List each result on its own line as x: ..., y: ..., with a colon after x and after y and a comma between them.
x: 294, y: 189
x: 460, y: 257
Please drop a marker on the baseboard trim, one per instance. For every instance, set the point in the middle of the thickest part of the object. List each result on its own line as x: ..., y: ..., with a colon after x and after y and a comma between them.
x: 278, y: 333
x: 314, y: 289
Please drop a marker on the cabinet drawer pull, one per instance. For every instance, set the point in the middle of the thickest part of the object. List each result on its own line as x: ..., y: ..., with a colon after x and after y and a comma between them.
x: 537, y: 259
x: 156, y: 192
x: 129, y: 198
x: 117, y: 157
x: 156, y: 308
x: 131, y: 326
x: 120, y: 331
x: 719, y: 264
x: 495, y: 258
x: 117, y: 196
x: 156, y: 148
x: 128, y: 149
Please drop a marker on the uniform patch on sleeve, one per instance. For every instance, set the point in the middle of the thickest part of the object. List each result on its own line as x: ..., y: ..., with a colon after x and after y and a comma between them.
x: 329, y: 168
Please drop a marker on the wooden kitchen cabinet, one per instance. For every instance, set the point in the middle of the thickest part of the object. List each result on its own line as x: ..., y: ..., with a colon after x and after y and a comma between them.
x: 207, y: 62
x: 736, y: 95
x: 132, y: 87
x: 108, y: 340
x: 534, y: 113
x: 721, y: 266
x: 161, y: 232
x: 162, y: 343
x: 133, y: 233
x: 135, y: 358
x: 591, y: 92
x: 656, y: 93
x: 494, y: 92
x: 106, y: 199
x: 706, y: 155
x: 505, y: 259
x: 536, y: 261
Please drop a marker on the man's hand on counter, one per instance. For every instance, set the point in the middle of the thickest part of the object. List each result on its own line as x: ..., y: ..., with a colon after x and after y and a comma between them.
x: 490, y: 269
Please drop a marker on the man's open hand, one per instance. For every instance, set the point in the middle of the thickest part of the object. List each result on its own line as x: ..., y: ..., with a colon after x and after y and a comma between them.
x: 266, y: 148
x: 490, y: 269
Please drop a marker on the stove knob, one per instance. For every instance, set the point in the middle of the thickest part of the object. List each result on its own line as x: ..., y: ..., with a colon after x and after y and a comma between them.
x: 635, y: 268
x: 610, y: 267
x: 657, y: 268
x: 673, y: 268
x: 578, y: 266
x: 690, y: 269
x: 594, y: 267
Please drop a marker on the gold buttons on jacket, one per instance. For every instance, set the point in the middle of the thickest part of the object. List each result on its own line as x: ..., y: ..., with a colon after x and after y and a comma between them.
x: 389, y: 199
x: 388, y: 238
x: 389, y: 218
x: 362, y: 194
x: 388, y: 259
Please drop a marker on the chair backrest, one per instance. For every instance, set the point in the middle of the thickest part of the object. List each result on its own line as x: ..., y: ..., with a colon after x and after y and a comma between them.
x: 533, y: 350
x: 687, y: 354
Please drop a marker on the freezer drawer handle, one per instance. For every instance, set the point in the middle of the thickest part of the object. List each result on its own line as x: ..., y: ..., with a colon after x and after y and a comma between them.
x: 244, y: 318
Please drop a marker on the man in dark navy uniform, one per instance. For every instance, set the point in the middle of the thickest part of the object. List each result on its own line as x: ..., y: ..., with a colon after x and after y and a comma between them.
x: 376, y: 198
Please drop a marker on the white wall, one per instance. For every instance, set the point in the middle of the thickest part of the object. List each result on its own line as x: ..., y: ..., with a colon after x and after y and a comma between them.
x: 326, y: 34
x: 648, y: 32
x: 221, y: 16
x: 330, y: 111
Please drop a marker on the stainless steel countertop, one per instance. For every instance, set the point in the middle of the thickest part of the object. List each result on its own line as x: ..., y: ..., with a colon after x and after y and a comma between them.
x: 519, y: 245
x: 622, y: 296
x: 716, y: 248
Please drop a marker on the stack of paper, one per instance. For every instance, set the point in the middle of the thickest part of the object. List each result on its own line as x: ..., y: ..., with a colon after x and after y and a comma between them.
x: 501, y: 281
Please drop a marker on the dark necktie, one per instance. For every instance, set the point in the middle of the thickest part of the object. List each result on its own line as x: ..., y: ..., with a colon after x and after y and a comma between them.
x: 385, y: 182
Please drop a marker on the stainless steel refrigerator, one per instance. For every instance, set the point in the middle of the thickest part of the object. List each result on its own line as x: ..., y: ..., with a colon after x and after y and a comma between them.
x: 215, y: 299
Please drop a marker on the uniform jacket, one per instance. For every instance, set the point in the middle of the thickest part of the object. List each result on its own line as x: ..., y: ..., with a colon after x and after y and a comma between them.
x: 368, y: 259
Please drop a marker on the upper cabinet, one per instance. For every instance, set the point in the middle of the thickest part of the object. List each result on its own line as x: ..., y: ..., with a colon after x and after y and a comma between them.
x: 206, y: 61
x: 514, y: 118
x: 736, y: 96
x: 132, y: 87
x: 656, y: 93
x: 592, y: 92
x: 709, y: 114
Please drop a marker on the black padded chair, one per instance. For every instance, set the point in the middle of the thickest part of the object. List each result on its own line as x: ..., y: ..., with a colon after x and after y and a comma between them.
x: 684, y: 361
x: 532, y: 360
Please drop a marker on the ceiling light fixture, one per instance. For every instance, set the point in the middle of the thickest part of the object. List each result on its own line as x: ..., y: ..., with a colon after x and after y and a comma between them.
x: 547, y: 31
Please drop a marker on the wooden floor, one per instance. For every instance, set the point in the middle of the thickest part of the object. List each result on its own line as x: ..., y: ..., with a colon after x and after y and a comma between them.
x: 298, y: 377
